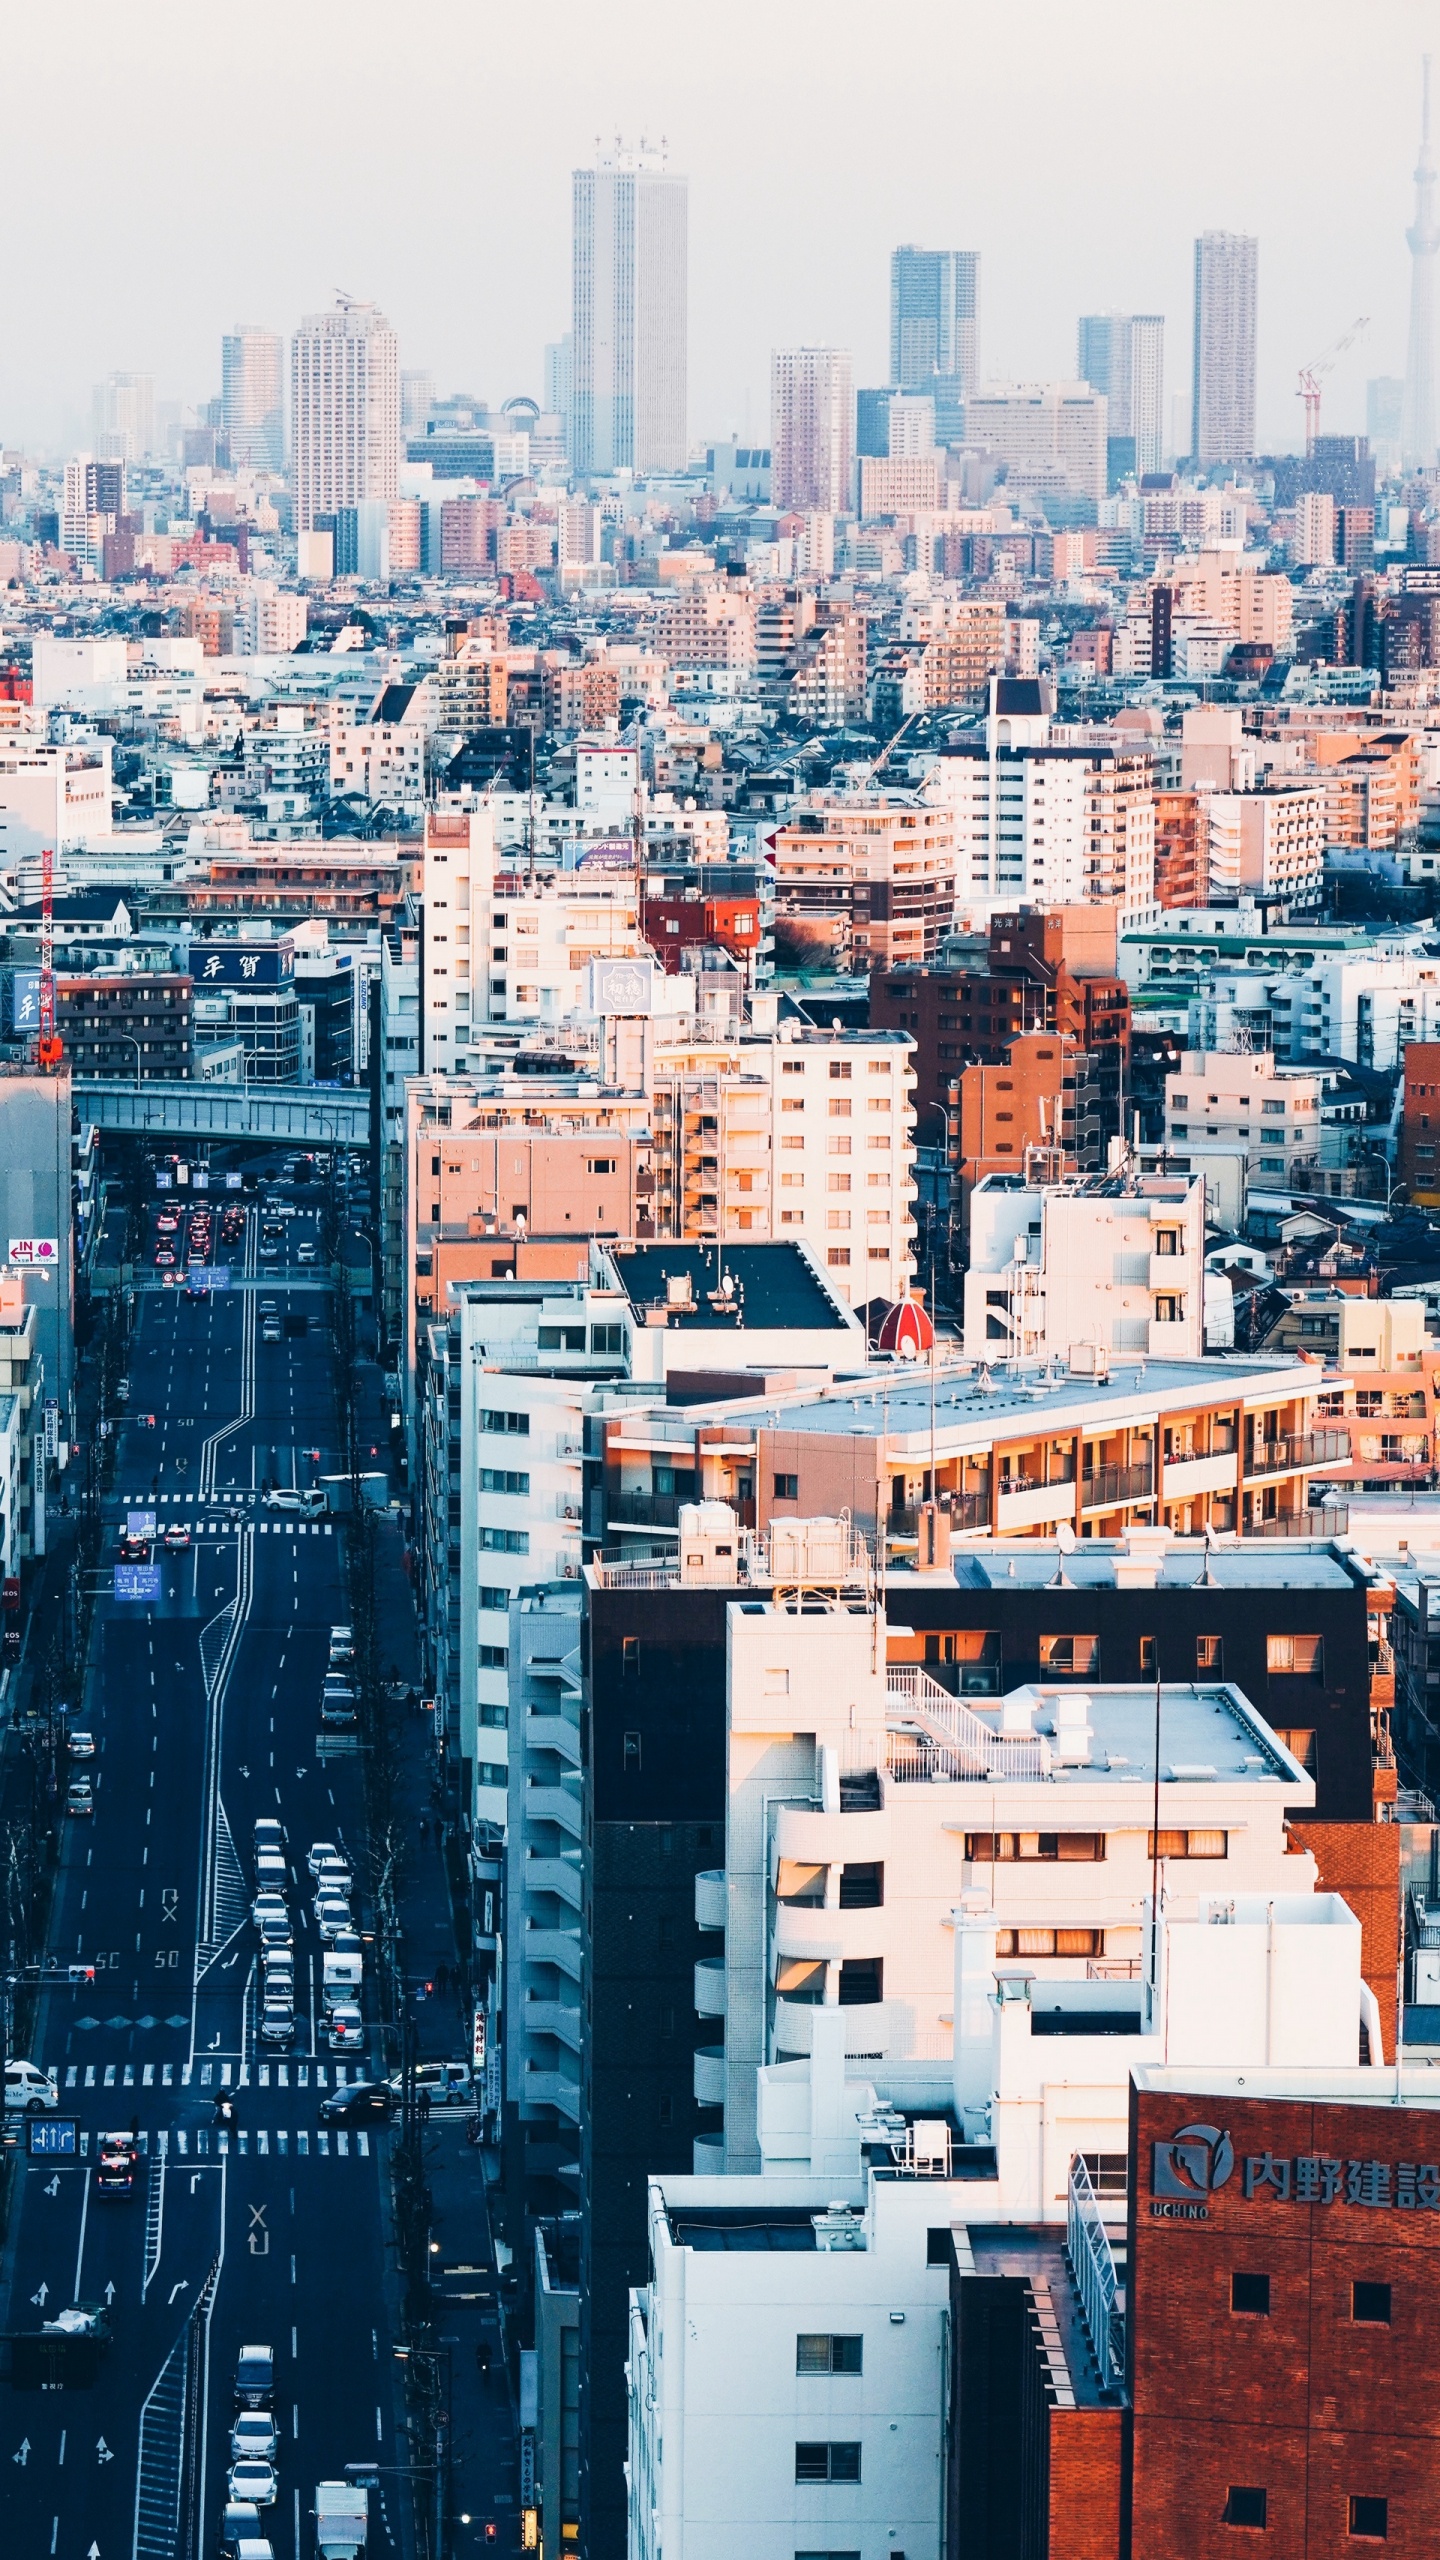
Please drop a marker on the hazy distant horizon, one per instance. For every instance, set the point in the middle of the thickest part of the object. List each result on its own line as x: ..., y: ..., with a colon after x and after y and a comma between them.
x: 192, y: 174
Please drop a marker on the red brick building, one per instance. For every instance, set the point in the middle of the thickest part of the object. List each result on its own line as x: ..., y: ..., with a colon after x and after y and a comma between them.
x: 1281, y: 2320
x: 1419, y: 1152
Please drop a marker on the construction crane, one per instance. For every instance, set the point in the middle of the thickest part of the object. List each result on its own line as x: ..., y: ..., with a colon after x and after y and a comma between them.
x: 48, y: 1047
x: 1310, y: 374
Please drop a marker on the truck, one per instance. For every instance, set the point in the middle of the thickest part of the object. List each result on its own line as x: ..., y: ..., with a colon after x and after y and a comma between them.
x: 342, y: 1977
x: 342, y: 2516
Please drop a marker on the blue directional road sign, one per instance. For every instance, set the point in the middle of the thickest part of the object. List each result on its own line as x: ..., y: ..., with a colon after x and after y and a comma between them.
x: 137, y: 1582
x: 139, y: 1524
x: 213, y: 1276
x: 52, y: 2137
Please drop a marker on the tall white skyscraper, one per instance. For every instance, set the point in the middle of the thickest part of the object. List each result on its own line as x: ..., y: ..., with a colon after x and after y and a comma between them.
x: 1122, y: 353
x: 124, y: 417
x: 812, y: 429
x: 935, y: 318
x: 630, y: 321
x: 252, y: 398
x: 344, y: 410
x: 1418, y: 425
x: 1222, y: 396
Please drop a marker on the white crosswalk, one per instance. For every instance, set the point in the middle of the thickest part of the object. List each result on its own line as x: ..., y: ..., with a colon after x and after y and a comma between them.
x: 247, y: 2142
x: 291, y: 2074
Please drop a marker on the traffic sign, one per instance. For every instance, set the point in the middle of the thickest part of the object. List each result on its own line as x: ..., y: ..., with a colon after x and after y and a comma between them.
x: 137, y: 1582
x: 52, y: 2137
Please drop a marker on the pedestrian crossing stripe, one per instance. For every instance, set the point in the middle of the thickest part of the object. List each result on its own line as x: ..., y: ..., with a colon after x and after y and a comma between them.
x: 216, y: 2142
x: 294, y: 2074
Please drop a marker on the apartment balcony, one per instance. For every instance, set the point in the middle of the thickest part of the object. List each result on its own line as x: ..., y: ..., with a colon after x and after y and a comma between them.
x: 710, y: 1898
x: 710, y: 2076
x: 710, y: 1987
x: 560, y: 1947
x: 558, y: 1804
x: 1031, y: 1506
x: 1109, y: 1486
x: 645, y: 1510
x: 1323, y: 1520
x: 559, y: 1875
x: 811, y: 1934
x: 707, y: 2155
x: 561, y: 2019
x: 1296, y: 1449
x: 870, y: 2029
x: 1183, y: 1477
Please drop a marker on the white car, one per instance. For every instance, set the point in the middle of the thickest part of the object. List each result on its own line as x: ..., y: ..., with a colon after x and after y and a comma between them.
x: 446, y: 2084
x: 336, y: 1882
x: 344, y: 2028
x: 254, y: 2436
x: 27, y: 2086
x: 332, y: 1916
x: 252, y: 2484
x: 323, y: 1853
x: 268, y: 1905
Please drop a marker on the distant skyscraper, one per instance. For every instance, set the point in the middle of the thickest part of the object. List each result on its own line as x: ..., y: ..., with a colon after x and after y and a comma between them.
x: 812, y: 429
x: 1417, y: 431
x: 417, y: 399
x: 1384, y: 417
x: 1222, y: 415
x: 344, y: 410
x: 934, y: 317
x: 252, y: 398
x: 629, y: 278
x: 124, y: 417
x: 1122, y: 353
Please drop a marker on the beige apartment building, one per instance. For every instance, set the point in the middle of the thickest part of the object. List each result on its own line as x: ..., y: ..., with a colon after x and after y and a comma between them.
x: 1248, y: 603
x: 869, y: 882
x: 1244, y: 1105
x: 1035, y: 425
x: 899, y: 484
x: 1268, y: 842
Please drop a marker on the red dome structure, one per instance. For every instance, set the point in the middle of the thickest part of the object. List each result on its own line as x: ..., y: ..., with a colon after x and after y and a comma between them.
x: 906, y: 1330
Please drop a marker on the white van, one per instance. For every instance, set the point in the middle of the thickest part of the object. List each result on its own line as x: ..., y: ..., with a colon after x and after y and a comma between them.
x: 312, y: 1499
x: 343, y: 1975
x: 29, y: 2087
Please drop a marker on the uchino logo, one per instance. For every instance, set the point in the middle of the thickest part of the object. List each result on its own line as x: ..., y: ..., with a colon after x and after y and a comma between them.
x: 1187, y: 2169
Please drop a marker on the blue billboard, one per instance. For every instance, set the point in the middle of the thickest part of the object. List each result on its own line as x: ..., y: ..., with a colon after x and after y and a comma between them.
x: 24, y: 1000
x: 137, y: 1582
x: 243, y: 964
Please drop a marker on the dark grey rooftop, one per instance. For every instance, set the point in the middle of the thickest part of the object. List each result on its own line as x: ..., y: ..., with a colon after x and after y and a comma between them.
x: 772, y: 1287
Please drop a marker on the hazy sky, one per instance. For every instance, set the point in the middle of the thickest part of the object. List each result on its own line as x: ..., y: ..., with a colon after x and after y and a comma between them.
x: 170, y: 170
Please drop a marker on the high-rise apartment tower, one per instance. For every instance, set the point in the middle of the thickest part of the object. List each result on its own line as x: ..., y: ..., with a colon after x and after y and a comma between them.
x: 629, y: 269
x: 1122, y: 353
x: 252, y: 398
x: 344, y: 410
x: 1222, y: 397
x: 812, y: 429
x: 934, y: 317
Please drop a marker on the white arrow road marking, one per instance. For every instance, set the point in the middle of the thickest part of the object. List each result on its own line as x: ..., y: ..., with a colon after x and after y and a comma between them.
x: 23, y: 2456
x: 42, y: 2296
x: 110, y: 2291
x: 182, y: 2287
x: 103, y: 2450
x: 53, y: 2189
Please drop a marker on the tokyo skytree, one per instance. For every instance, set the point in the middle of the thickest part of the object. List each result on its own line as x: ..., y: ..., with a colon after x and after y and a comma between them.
x: 1418, y: 421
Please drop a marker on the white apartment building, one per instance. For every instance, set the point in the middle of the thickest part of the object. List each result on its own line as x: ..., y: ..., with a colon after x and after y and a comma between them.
x: 344, y: 410
x: 1040, y: 424
x: 1115, y: 1263
x: 1057, y: 825
x: 377, y: 752
x: 544, y: 1824
x: 1240, y: 1103
x: 1268, y: 844
x: 812, y: 430
x: 629, y: 392
x: 1312, y: 545
x: 456, y: 885
x: 930, y: 2009
x: 62, y: 796
x: 1353, y: 1006
x: 271, y: 622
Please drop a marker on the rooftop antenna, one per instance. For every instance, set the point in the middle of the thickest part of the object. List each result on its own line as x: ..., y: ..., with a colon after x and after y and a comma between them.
x: 1064, y: 1546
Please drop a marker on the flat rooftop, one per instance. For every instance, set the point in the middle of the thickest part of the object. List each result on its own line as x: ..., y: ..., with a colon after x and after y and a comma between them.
x: 1038, y: 2255
x: 974, y: 1403
x: 1207, y: 1734
x: 1254, y: 1564
x: 773, y: 1287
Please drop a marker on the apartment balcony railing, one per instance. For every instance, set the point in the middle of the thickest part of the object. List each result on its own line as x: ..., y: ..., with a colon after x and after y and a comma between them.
x: 1327, y: 1520
x: 1297, y: 1449
x: 1106, y: 1486
x: 646, y: 1510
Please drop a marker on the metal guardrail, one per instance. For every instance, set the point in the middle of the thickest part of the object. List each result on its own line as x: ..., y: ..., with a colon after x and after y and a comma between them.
x: 1330, y: 1520
x: 165, y: 1107
x: 946, y: 1739
x: 1117, y: 1484
x: 1092, y: 2264
x: 1297, y: 1449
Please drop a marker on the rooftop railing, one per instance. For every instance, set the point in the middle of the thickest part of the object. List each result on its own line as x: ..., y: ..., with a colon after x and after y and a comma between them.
x: 1092, y: 2264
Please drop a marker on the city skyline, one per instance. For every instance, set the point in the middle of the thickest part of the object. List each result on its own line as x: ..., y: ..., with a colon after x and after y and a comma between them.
x: 800, y: 256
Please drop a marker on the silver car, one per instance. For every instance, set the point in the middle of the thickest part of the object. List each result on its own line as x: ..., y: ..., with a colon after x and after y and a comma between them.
x: 254, y: 2436
x: 252, y: 2483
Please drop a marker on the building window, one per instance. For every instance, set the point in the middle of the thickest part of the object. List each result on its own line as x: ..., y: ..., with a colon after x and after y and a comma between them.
x: 1049, y: 1942
x: 1187, y: 1844
x: 838, y: 1257
x: 817, y: 2353
x: 1108, y: 2171
x: 862, y: 1982
x: 1250, y: 2294
x: 1246, y: 2506
x: 862, y: 1886
x: 1210, y: 1655
x: 632, y: 1755
x: 1166, y: 1240
x: 1147, y: 1657
x: 840, y: 1067
x: 629, y: 1655
x: 1296, y: 1657
x: 1083, y: 1847
x: 503, y: 1480
x: 607, y: 1339
x: 1370, y: 2519
x: 1069, y: 1657
x: 787, y: 1488
x: 493, y: 1595
x: 505, y: 1542
x: 562, y: 1337
x: 827, y: 2462
x: 1371, y: 2303
x: 494, y: 1657
x: 1299, y: 1741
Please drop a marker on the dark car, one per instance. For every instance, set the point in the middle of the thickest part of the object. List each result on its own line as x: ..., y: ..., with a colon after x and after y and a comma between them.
x: 364, y: 2102
x: 118, y: 2158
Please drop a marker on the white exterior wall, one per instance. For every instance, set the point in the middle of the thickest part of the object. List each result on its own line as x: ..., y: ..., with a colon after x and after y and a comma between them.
x: 844, y: 1181
x: 1241, y: 1102
x: 1088, y: 1271
x: 457, y: 884
x: 56, y: 796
